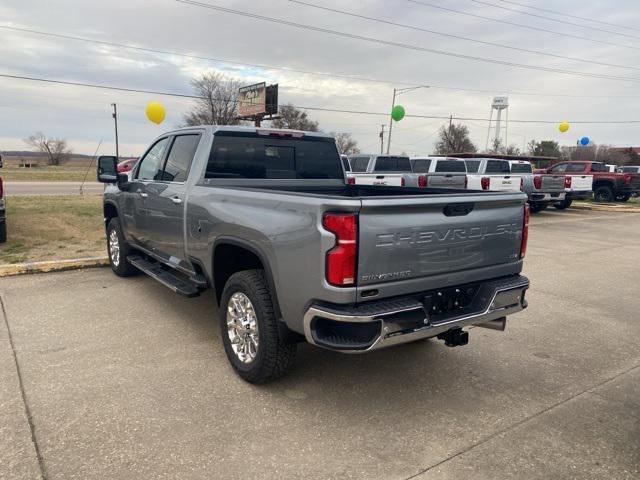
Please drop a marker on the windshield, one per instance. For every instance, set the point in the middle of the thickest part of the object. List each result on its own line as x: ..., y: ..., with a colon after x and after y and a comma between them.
x: 521, y: 168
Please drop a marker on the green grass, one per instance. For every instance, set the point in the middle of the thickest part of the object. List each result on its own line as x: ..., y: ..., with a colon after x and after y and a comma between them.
x: 61, y: 173
x: 53, y: 227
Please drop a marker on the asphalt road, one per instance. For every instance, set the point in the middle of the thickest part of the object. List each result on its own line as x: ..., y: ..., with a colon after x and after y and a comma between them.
x: 52, y: 188
x: 120, y: 379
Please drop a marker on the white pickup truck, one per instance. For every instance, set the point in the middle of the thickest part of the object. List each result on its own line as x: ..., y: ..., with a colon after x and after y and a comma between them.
x: 491, y: 174
x: 384, y: 170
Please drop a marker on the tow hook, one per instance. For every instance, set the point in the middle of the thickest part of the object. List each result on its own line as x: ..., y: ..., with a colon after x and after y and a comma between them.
x: 454, y: 337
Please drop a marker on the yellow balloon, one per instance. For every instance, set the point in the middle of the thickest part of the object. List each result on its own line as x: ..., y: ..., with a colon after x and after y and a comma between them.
x: 155, y: 112
x: 564, y: 126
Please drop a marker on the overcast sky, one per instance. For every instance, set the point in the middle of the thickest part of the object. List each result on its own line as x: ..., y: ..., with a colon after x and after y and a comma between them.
x: 83, y: 115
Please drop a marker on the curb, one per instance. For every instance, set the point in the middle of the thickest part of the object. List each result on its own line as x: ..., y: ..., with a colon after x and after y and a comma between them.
x: 52, y: 266
x: 601, y: 207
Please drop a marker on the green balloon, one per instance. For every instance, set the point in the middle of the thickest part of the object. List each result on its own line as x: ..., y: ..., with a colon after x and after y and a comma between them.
x: 397, y: 113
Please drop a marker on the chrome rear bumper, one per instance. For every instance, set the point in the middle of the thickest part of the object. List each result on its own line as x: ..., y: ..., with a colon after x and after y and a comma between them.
x: 375, y: 325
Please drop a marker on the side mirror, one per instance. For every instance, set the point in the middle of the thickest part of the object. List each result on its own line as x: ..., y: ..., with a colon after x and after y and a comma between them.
x: 107, y: 169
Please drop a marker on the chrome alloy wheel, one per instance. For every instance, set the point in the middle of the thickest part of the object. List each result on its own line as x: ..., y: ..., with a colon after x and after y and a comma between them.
x: 242, y: 327
x: 114, y: 248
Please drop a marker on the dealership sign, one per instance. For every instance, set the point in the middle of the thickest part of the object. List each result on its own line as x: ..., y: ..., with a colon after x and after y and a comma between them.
x: 258, y: 99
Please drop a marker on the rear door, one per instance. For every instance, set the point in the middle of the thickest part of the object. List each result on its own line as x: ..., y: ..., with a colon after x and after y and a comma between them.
x: 167, y: 197
x: 410, y: 244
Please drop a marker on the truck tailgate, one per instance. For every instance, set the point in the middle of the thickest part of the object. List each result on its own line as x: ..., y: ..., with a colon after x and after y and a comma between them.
x: 389, y: 180
x: 580, y: 183
x: 504, y: 183
x: 446, y: 180
x: 553, y: 183
x: 408, y: 243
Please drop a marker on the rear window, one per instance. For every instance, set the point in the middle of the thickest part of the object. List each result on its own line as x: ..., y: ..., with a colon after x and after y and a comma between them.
x: 521, y: 168
x: 498, y: 166
x: 472, y: 165
x: 246, y: 156
x: 393, y: 164
x: 451, y: 166
x: 359, y: 164
x: 420, y: 166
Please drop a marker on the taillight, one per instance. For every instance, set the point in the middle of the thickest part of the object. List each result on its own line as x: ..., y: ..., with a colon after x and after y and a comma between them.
x: 402, y: 182
x: 567, y: 182
x: 340, y: 267
x: 422, y: 181
x: 351, y: 181
x: 466, y: 181
x: 484, y: 183
x: 1, y: 189
x: 627, y: 179
x: 525, y: 231
x: 537, y: 182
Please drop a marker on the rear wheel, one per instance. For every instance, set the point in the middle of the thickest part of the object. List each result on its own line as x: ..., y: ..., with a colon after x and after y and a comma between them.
x: 536, y: 207
x: 603, y: 194
x: 566, y: 203
x: 118, y: 250
x: 249, y: 329
x: 623, y: 198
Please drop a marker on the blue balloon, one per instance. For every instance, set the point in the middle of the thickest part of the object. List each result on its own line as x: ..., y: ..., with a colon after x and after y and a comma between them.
x: 584, y: 141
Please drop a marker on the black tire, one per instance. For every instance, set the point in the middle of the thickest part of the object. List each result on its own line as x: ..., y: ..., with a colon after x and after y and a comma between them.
x: 603, y: 194
x: 623, y: 198
x: 566, y: 203
x: 3, y: 232
x: 273, y: 356
x: 119, y: 263
x: 536, y: 207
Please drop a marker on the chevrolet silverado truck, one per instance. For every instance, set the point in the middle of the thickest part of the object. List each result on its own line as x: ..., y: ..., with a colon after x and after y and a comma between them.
x: 541, y: 189
x: 3, y: 215
x: 607, y: 186
x: 265, y: 219
x: 492, y: 174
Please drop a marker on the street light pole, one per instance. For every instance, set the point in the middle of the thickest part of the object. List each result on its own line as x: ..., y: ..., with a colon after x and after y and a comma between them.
x: 382, y: 140
x: 115, y: 120
x: 393, y: 105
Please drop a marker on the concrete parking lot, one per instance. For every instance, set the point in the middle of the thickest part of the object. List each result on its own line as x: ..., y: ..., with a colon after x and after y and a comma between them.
x: 103, y: 377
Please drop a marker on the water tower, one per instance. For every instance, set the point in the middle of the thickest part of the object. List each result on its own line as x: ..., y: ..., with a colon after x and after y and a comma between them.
x: 499, y: 104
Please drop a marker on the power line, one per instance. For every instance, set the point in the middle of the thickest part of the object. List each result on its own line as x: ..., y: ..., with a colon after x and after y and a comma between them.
x: 405, y: 45
x: 564, y: 22
x: 570, y: 15
x: 459, y: 37
x: 295, y: 70
x: 303, y: 107
x: 506, y: 22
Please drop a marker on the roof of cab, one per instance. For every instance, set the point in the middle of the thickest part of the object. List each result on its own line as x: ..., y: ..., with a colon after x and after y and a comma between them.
x: 235, y: 128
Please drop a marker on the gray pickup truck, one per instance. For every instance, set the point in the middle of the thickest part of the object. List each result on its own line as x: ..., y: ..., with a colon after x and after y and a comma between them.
x: 541, y: 189
x: 265, y: 219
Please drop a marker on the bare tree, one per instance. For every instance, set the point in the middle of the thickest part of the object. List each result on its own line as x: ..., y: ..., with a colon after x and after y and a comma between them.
x: 291, y: 117
x: 56, y: 149
x: 216, y: 103
x: 345, y: 143
x: 454, y: 139
x: 497, y: 147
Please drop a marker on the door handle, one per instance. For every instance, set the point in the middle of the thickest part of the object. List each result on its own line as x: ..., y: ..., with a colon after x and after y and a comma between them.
x: 176, y: 200
x: 142, y: 194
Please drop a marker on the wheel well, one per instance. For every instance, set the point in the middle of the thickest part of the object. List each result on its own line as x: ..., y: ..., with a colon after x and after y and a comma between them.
x: 602, y: 183
x: 110, y: 212
x: 229, y: 259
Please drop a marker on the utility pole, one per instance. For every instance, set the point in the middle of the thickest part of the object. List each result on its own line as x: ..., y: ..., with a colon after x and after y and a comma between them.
x: 382, y: 140
x: 393, y: 104
x: 115, y: 120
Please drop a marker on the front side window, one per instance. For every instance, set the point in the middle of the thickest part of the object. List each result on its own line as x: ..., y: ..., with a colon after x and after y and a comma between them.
x: 180, y: 157
x: 597, y: 167
x: 247, y: 156
x: 560, y: 168
x: 421, y: 166
x: 472, y: 165
x: 151, y: 164
x: 498, y: 166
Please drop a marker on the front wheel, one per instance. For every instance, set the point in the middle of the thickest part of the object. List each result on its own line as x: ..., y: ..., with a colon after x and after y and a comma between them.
x: 566, y: 203
x: 118, y: 250
x: 249, y: 329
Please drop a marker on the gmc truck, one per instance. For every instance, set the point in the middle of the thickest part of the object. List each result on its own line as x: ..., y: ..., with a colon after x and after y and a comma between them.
x: 541, y: 189
x: 265, y: 219
x: 492, y: 174
x: 607, y: 186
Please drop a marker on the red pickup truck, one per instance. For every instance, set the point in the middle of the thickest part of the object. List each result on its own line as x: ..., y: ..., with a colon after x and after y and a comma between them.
x: 607, y: 186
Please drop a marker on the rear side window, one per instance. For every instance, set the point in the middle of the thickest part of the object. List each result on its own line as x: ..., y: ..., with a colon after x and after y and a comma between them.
x: 577, y: 167
x: 393, y: 164
x: 498, y: 166
x: 521, y: 168
x: 178, y: 163
x: 450, y: 166
x: 255, y: 157
x: 359, y: 164
x: 472, y: 165
x: 421, y: 166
